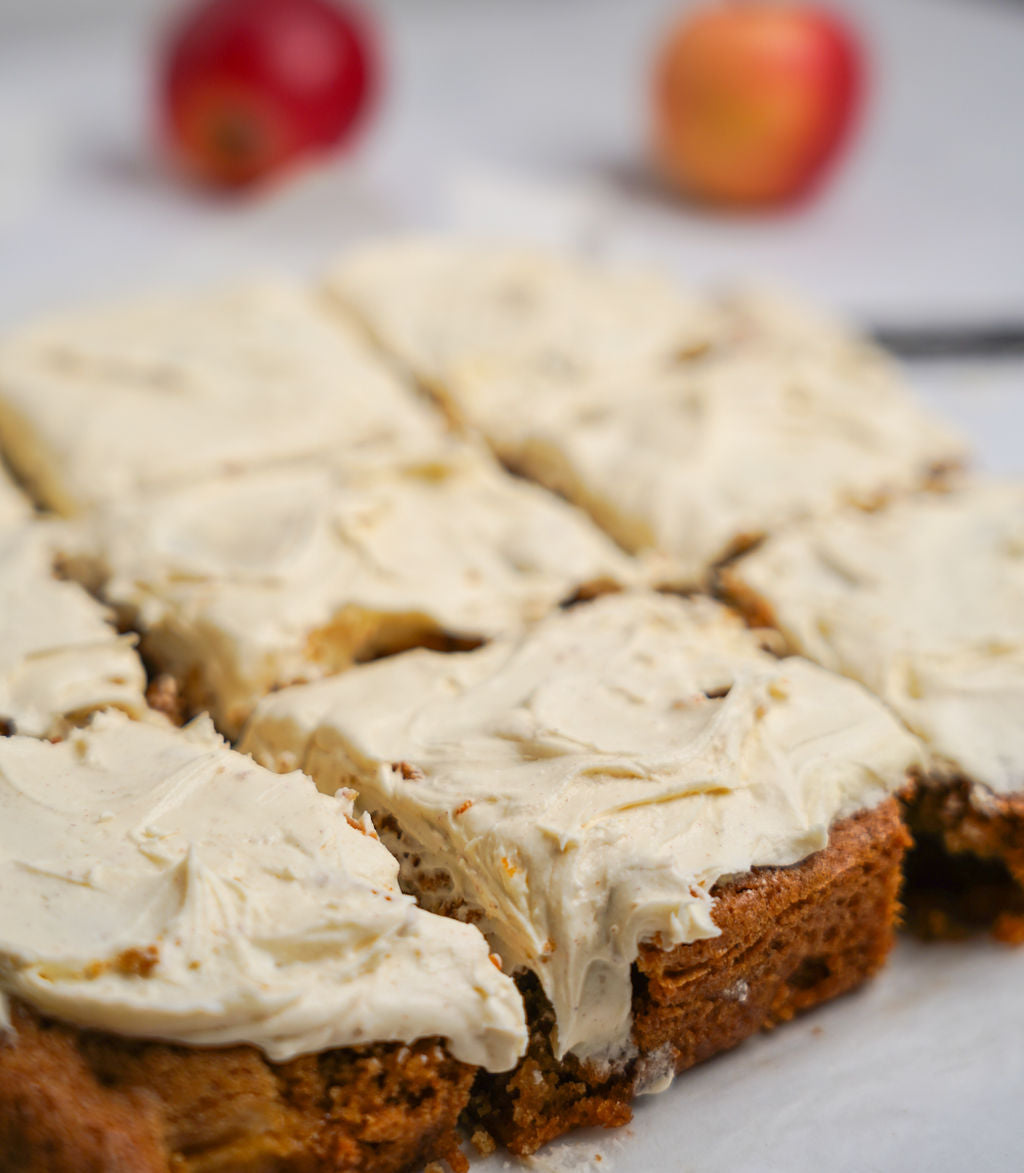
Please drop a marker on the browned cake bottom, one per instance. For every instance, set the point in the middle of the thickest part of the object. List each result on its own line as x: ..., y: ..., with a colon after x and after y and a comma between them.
x: 791, y: 938
x: 966, y: 872
x: 74, y: 1101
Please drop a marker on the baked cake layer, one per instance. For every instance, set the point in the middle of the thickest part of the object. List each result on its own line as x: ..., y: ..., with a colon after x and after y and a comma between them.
x: 242, y: 585
x: 61, y: 658
x: 580, y: 789
x: 74, y: 1101
x: 684, y: 426
x: 99, y: 405
x: 791, y: 938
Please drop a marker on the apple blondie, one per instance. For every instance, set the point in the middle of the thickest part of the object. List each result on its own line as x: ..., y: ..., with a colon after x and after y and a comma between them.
x: 205, y: 966
x: 923, y: 603
x: 670, y: 836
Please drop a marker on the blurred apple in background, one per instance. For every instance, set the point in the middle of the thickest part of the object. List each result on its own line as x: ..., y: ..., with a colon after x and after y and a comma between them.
x: 249, y: 87
x: 752, y: 101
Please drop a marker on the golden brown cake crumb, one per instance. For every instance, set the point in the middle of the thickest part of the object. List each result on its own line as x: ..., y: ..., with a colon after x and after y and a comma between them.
x: 164, y: 694
x: 74, y: 1101
x: 483, y: 1142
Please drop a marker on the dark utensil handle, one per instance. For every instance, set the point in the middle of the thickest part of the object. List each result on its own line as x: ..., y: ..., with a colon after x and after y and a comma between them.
x: 954, y: 340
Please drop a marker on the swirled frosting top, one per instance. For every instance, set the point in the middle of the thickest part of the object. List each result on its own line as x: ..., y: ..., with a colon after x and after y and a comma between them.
x: 248, y: 583
x: 160, y: 885
x: 585, y: 785
x: 98, y: 405
x: 683, y: 425
x: 924, y: 603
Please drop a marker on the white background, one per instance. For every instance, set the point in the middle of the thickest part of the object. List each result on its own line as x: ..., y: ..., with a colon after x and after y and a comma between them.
x: 527, y: 118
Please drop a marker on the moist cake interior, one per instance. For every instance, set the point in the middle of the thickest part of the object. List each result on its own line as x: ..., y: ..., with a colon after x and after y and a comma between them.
x: 965, y: 873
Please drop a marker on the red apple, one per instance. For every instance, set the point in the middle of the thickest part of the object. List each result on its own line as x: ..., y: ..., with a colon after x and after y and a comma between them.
x: 251, y: 86
x: 753, y: 100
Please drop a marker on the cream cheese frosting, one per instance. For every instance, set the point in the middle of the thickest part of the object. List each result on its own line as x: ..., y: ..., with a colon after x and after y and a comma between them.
x: 98, y: 405
x: 60, y: 656
x: 924, y: 604
x: 585, y: 785
x: 160, y: 885
x: 686, y: 427
x: 243, y: 584
x: 705, y: 462
x: 442, y: 306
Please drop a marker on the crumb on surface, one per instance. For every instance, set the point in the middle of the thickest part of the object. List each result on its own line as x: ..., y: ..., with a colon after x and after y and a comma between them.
x: 138, y: 962
x: 132, y: 962
x: 408, y: 771
x: 483, y: 1142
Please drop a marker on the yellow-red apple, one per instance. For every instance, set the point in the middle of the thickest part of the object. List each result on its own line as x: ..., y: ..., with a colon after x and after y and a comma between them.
x: 752, y: 101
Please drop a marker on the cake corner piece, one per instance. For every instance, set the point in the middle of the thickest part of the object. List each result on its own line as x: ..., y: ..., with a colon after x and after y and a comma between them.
x: 922, y: 603
x: 239, y: 999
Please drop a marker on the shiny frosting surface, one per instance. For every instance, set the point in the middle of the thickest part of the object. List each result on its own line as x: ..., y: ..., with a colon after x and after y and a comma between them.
x: 158, y: 884
x: 101, y: 404
x: 60, y: 655
x: 924, y: 604
x: 587, y: 784
x: 686, y: 426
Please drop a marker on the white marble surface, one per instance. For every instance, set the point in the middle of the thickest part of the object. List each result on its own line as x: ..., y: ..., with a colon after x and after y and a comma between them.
x: 526, y: 118
x: 922, y: 1070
